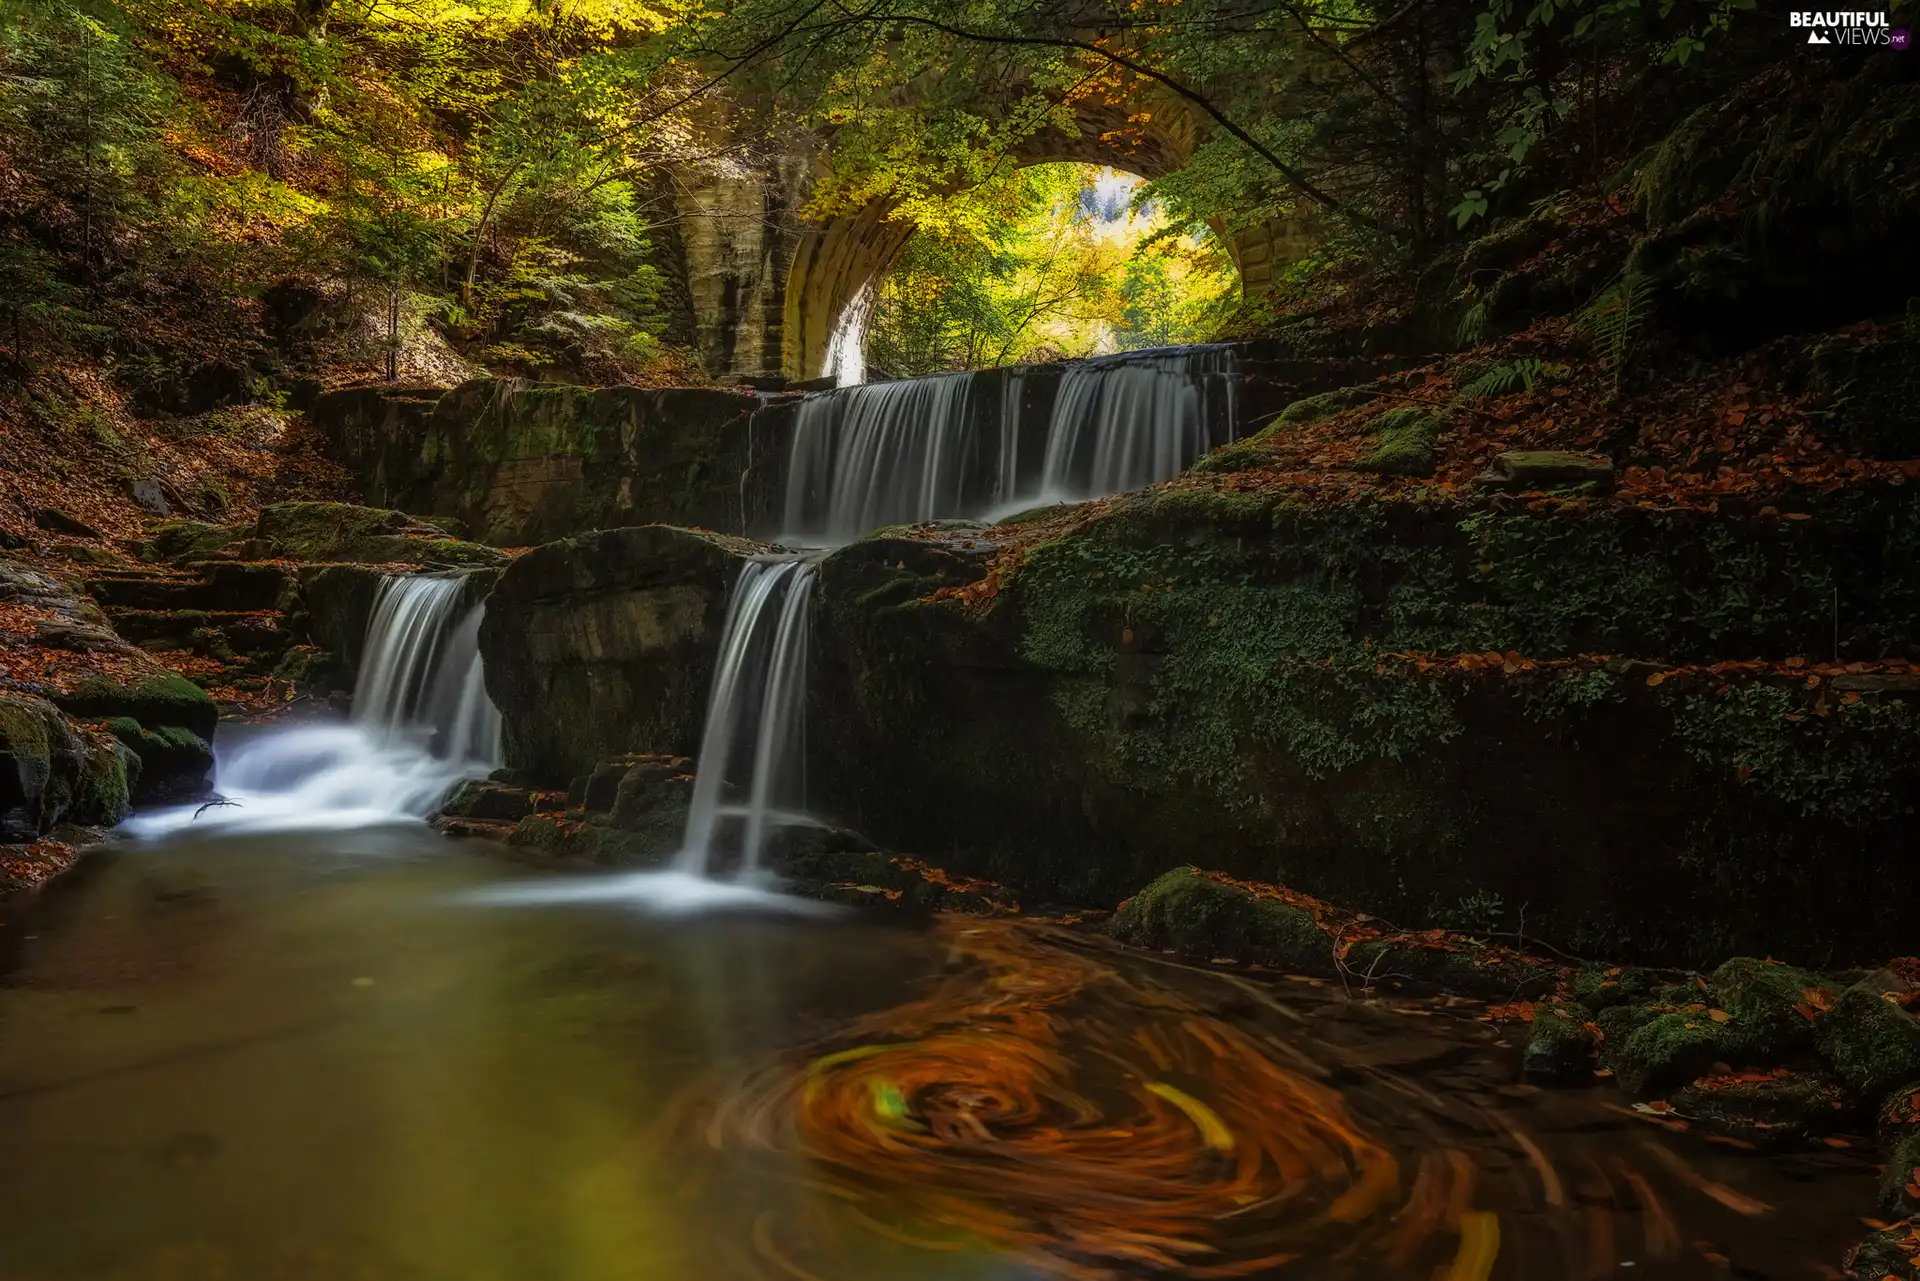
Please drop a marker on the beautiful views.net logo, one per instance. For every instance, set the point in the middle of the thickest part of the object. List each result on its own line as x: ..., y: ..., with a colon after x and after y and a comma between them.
x: 1848, y: 28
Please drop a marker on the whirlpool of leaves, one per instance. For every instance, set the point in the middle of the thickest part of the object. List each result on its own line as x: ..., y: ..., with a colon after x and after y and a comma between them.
x: 1095, y: 1116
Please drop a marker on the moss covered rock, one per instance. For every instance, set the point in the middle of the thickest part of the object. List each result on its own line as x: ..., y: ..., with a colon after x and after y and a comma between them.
x: 485, y: 799
x: 1767, y: 1108
x: 1404, y: 445
x: 367, y: 535
x: 1599, y: 987
x: 1665, y: 1051
x: 1871, y: 1043
x: 1560, y: 1046
x: 1312, y: 409
x: 1457, y: 965
x: 574, y: 839
x: 1531, y: 469
x: 1771, y: 1005
x: 174, y: 762
x: 154, y: 699
x: 1188, y: 912
x: 1900, y: 1184
x: 179, y: 542
x: 52, y: 771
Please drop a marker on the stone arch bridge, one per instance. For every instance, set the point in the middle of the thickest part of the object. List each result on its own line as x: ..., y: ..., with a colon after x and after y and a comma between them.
x: 756, y: 288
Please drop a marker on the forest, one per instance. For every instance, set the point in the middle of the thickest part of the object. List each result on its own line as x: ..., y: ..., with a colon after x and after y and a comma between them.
x: 834, y: 640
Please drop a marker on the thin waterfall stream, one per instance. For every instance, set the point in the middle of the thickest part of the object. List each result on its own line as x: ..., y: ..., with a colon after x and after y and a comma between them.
x: 752, y: 765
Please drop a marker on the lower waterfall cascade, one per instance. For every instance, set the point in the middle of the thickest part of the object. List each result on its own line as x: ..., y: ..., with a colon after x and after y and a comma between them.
x: 421, y: 721
x: 753, y: 745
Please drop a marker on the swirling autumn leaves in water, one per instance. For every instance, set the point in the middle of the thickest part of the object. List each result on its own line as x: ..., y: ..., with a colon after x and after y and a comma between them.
x: 1040, y: 1104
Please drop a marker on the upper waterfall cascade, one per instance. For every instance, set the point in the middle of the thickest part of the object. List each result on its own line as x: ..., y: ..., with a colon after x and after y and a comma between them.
x: 951, y: 445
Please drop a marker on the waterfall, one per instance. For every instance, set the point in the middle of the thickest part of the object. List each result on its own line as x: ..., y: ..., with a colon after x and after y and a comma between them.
x: 420, y: 677
x: 751, y: 769
x: 934, y: 448
x: 882, y: 454
x: 421, y: 722
x: 1125, y: 423
x: 750, y: 778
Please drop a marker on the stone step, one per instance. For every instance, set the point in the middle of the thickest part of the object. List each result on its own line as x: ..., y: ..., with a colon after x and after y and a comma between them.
x: 244, y: 632
x: 208, y: 585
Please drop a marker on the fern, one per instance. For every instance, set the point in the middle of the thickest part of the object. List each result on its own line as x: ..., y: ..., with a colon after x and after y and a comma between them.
x: 1473, y: 325
x: 1616, y: 319
x: 1501, y: 379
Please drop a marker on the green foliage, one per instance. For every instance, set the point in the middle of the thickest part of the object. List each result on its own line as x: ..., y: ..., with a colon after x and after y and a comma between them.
x: 1845, y: 764
x: 1030, y: 268
x: 1502, y: 379
x: 1617, y: 320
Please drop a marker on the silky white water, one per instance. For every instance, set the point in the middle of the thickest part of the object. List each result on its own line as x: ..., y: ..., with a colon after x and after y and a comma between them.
x: 1125, y: 424
x: 881, y: 454
x: 421, y: 722
x: 750, y: 776
x: 947, y: 446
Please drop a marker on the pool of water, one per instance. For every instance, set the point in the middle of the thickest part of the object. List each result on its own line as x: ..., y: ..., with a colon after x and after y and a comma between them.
x: 362, y: 1055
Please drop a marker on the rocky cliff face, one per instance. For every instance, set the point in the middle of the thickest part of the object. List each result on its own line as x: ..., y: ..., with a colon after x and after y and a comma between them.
x: 515, y: 464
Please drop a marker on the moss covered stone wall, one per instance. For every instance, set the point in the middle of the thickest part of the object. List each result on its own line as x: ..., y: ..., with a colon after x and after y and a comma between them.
x: 517, y: 464
x: 1413, y: 707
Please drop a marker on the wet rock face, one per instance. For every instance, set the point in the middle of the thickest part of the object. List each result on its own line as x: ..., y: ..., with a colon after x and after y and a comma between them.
x: 519, y: 464
x: 604, y: 644
x: 1395, y: 707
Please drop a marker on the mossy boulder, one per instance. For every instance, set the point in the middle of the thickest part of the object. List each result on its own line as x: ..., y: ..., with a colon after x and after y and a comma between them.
x: 1404, y: 445
x: 52, y: 771
x: 1871, y: 1043
x: 1188, y: 912
x: 308, y: 531
x: 1455, y: 965
x: 1898, y: 1196
x: 1546, y: 469
x: 1600, y: 987
x: 1560, y: 1046
x: 1312, y: 409
x: 179, y: 542
x: 574, y: 839
x: 485, y: 799
x: 1665, y: 1051
x: 603, y: 645
x: 1771, y: 1005
x: 174, y: 762
x: 154, y: 699
x: 1765, y: 1109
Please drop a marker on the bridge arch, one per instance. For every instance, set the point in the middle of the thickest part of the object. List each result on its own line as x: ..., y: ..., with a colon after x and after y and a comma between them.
x: 757, y: 290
